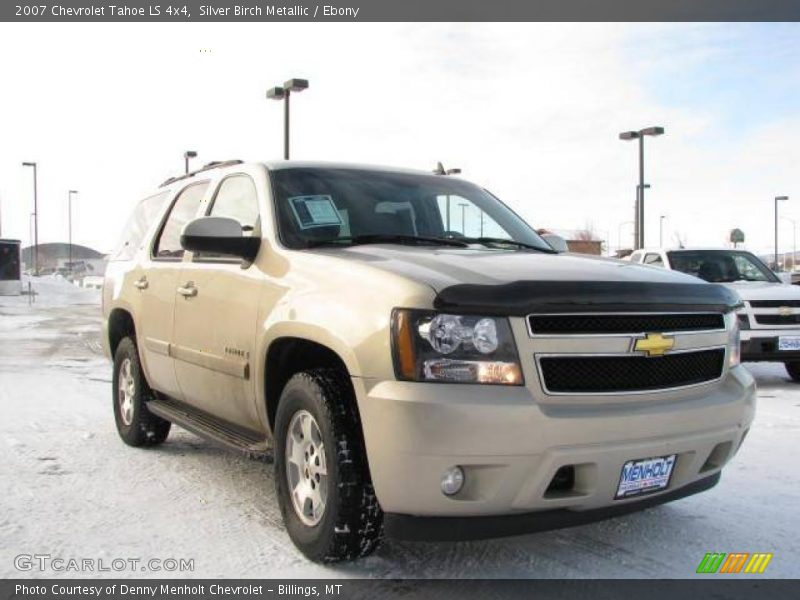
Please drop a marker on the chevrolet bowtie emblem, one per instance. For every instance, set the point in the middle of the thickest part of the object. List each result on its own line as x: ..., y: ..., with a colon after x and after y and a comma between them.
x: 785, y: 311
x: 654, y: 344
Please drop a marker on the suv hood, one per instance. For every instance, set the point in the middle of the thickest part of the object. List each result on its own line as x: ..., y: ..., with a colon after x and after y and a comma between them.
x: 518, y: 282
x: 765, y: 290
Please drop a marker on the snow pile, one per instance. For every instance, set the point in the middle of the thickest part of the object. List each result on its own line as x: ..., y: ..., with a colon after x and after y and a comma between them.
x: 54, y: 290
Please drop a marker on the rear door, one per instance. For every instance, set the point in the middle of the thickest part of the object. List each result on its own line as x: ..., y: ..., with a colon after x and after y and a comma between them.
x: 158, y: 285
x: 216, y: 317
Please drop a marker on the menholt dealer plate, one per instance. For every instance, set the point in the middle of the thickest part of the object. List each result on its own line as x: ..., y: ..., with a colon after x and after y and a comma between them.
x: 645, y: 475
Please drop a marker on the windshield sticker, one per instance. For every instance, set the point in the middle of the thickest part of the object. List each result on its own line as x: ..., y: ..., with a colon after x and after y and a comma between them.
x: 315, y: 211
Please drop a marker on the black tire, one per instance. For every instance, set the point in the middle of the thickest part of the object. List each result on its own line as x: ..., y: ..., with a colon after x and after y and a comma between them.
x: 351, y: 525
x: 144, y: 428
x: 793, y: 369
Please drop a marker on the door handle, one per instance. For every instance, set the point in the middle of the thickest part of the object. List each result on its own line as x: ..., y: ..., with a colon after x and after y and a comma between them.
x: 141, y: 284
x: 188, y: 290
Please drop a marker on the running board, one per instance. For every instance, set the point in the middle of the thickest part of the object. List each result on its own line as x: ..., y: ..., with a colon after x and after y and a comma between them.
x: 211, y: 428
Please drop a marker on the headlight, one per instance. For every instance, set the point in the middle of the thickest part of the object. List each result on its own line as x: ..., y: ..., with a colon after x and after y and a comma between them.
x: 734, y: 342
x: 430, y: 346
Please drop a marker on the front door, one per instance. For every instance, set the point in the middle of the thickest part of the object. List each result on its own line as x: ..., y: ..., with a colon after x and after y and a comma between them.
x: 216, y: 317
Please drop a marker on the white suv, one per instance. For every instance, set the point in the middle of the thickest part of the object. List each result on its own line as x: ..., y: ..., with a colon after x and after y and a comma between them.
x: 770, y: 318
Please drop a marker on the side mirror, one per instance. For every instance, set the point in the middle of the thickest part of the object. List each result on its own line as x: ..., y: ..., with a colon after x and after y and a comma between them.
x: 556, y: 242
x: 785, y: 277
x: 219, y: 235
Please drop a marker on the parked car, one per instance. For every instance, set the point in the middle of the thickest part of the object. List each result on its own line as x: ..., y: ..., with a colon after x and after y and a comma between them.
x: 770, y: 315
x: 413, y: 371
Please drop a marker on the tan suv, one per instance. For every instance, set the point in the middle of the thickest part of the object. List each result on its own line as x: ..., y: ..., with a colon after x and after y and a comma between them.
x: 416, y: 358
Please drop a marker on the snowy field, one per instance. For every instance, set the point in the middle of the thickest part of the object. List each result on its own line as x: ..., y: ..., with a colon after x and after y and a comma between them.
x: 72, y: 489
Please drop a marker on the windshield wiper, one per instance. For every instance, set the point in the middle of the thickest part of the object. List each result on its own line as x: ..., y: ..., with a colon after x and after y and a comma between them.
x: 386, y: 238
x: 503, y: 241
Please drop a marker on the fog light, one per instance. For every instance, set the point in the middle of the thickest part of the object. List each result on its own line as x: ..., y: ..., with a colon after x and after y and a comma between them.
x: 452, y: 481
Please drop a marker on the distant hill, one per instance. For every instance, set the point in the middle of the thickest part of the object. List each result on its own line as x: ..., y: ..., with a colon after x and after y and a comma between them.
x: 50, y: 254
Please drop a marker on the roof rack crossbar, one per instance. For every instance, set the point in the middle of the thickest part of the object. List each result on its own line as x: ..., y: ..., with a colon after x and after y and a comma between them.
x: 216, y: 164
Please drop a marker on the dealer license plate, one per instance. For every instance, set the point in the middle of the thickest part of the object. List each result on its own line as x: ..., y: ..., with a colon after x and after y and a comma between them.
x: 644, y: 476
x: 789, y: 342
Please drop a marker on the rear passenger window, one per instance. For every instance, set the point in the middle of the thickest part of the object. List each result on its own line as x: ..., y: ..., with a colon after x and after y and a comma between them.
x: 237, y: 199
x: 138, y: 223
x: 184, y: 209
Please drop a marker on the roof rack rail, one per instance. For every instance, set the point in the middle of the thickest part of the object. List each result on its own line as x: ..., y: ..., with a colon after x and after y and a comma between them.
x: 214, y: 164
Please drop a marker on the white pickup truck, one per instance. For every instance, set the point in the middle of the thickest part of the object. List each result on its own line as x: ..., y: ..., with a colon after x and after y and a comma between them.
x: 770, y: 319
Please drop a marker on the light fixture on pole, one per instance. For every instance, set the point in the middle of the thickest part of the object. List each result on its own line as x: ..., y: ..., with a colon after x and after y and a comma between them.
x: 777, y: 199
x: 35, y: 217
x: 186, y: 156
x: 640, y: 135
x: 284, y: 93
x: 661, y: 230
x: 69, y: 202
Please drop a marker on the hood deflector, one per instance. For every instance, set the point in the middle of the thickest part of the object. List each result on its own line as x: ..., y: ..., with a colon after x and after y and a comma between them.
x: 521, y: 298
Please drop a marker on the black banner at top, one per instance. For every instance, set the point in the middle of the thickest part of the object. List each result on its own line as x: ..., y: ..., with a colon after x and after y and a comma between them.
x: 397, y: 10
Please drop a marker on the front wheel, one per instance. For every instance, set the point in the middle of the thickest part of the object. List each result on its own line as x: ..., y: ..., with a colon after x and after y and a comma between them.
x: 321, y: 474
x: 136, y: 425
x: 793, y: 369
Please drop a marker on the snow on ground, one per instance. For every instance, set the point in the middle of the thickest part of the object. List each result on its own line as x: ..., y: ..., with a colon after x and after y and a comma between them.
x: 72, y: 489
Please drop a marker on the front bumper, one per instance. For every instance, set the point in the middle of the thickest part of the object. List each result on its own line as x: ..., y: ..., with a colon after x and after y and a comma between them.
x: 762, y: 345
x: 453, y: 529
x: 510, y: 442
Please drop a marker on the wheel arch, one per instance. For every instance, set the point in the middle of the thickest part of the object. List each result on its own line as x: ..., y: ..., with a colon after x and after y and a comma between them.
x: 120, y: 326
x: 287, y: 355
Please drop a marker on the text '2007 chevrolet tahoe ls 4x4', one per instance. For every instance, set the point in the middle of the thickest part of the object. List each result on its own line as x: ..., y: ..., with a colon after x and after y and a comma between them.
x: 416, y: 358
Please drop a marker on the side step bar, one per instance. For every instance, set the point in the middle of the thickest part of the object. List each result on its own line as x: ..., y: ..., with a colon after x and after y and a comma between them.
x: 211, y: 428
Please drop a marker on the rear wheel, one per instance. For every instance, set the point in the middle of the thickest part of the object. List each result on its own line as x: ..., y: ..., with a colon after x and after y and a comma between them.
x: 321, y: 474
x: 793, y: 369
x: 136, y: 425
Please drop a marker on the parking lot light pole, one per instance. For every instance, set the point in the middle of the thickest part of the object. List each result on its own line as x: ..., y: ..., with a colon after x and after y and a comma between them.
x: 640, y: 135
x: 463, y: 206
x: 186, y: 156
x: 69, y: 202
x: 31, y: 218
x: 35, y: 218
x: 777, y: 199
x: 661, y: 231
x: 283, y: 93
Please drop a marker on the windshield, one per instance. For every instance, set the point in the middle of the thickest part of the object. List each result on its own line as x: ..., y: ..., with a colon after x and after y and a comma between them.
x: 317, y: 206
x: 721, y: 266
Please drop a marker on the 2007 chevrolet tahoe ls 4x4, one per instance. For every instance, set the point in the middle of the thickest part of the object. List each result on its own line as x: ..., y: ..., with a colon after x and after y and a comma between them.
x: 416, y: 358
